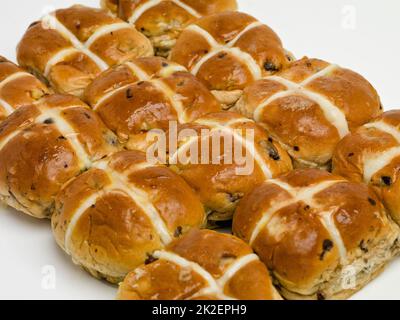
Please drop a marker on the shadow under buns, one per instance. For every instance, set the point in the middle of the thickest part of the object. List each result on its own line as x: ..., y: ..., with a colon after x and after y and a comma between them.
x: 43, y: 145
x: 227, y: 161
x: 70, y: 47
x: 202, y: 265
x: 371, y: 155
x: 321, y: 236
x: 163, y: 21
x: 229, y: 51
x: 114, y: 216
x: 17, y: 88
x: 309, y: 107
x: 145, y: 94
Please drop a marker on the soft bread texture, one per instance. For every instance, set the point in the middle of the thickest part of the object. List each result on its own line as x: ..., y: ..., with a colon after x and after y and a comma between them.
x: 70, y: 47
x: 45, y: 144
x: 371, y: 155
x: 17, y: 88
x: 228, y: 51
x: 145, y: 94
x: 219, y: 179
x: 203, y: 265
x: 162, y: 21
x: 309, y: 107
x: 114, y: 216
x: 321, y: 236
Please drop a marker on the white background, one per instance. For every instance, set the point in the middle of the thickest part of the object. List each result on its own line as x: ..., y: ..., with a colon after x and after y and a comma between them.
x: 359, y: 34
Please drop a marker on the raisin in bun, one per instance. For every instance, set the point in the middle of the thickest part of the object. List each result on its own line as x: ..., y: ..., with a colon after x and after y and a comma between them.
x: 321, y: 236
x: 372, y: 155
x: 114, y: 216
x: 45, y: 144
x: 223, y: 156
x: 229, y: 51
x: 145, y: 94
x: 162, y: 21
x: 202, y: 265
x: 69, y: 47
x: 309, y: 107
x: 17, y: 88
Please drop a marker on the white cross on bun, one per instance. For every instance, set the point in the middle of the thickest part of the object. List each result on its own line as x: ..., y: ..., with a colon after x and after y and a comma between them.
x: 17, y: 88
x: 148, y: 93
x: 113, y: 217
x: 70, y: 47
x: 202, y: 265
x: 45, y: 144
x: 321, y: 236
x: 371, y: 155
x: 229, y: 51
x: 162, y: 21
x: 309, y: 107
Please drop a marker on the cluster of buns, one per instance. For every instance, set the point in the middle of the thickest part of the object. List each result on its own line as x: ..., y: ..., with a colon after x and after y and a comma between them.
x: 317, y: 215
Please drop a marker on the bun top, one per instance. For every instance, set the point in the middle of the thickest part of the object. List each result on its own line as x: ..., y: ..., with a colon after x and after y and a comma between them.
x: 201, y: 265
x: 308, y: 223
x: 162, y: 21
x: 17, y: 88
x: 138, y: 12
x: 71, y: 46
x: 223, y: 177
x: 371, y: 155
x: 310, y: 106
x: 229, y: 50
x: 131, y: 208
x: 146, y: 94
x: 43, y: 145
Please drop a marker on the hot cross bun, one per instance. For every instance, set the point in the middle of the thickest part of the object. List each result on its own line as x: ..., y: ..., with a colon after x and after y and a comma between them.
x: 145, y: 94
x: 162, y: 21
x: 309, y: 107
x: 70, y: 47
x: 228, y: 51
x: 203, y: 265
x: 45, y: 144
x: 114, y: 216
x: 17, y: 88
x: 372, y: 155
x: 321, y: 236
x: 220, y: 177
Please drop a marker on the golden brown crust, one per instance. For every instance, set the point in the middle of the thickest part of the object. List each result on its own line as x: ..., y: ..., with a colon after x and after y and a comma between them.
x: 17, y: 88
x: 372, y: 155
x: 163, y: 21
x: 70, y: 47
x: 301, y: 118
x: 213, y: 254
x: 113, y: 217
x: 45, y: 144
x: 230, y: 50
x: 222, y: 184
x: 146, y: 94
x: 310, y: 227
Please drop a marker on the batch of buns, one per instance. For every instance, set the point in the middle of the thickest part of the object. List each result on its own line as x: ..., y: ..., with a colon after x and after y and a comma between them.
x: 316, y: 219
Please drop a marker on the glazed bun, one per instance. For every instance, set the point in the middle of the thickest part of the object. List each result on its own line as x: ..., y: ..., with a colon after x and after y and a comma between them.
x: 70, y: 47
x: 162, y: 21
x: 145, y: 94
x: 372, y: 155
x: 309, y: 107
x: 219, y: 175
x: 45, y: 144
x: 17, y: 88
x: 113, y: 217
x: 229, y: 51
x: 203, y: 265
x: 321, y: 236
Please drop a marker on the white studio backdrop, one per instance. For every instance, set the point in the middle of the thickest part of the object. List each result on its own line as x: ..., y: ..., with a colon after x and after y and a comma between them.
x: 358, y: 34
